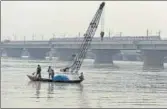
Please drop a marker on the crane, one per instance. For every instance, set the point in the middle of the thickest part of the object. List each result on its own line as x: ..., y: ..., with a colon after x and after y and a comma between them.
x: 88, y: 36
x: 102, y: 26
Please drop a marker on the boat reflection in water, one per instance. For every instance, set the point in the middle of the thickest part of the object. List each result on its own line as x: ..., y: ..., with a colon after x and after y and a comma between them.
x: 37, y: 86
x: 60, y: 92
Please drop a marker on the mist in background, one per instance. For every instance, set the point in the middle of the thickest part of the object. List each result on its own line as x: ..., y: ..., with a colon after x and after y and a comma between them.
x: 68, y: 18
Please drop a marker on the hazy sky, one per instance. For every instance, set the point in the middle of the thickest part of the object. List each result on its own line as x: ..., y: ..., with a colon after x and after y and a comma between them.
x: 23, y: 18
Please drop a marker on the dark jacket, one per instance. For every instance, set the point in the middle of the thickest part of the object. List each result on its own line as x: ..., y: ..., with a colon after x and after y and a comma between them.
x: 38, y: 69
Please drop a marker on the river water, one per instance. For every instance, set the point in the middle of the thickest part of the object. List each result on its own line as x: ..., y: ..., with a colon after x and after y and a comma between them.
x: 103, y: 87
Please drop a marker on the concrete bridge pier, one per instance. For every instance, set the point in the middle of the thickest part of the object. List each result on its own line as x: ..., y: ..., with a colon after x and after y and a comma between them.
x: 118, y: 57
x: 66, y: 54
x: 25, y: 52
x: 38, y: 53
x: 153, y: 59
x: 90, y: 55
x: 130, y: 57
x: 104, y: 56
x: 14, y: 52
x: 51, y: 53
x: 3, y: 52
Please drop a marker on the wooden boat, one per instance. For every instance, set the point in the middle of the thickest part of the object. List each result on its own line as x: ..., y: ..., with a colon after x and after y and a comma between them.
x: 33, y: 78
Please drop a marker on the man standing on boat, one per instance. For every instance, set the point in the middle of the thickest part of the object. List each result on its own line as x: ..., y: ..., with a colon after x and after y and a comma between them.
x: 81, y: 77
x: 38, y: 75
x: 53, y: 73
x: 50, y: 72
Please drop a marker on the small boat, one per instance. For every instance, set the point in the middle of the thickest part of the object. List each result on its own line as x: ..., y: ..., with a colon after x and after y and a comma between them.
x: 33, y: 78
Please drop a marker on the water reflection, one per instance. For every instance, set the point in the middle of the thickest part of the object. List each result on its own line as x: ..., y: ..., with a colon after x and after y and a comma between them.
x: 84, y: 102
x: 51, y: 87
x: 37, y: 86
x: 50, y: 90
x: 110, y: 66
x: 61, y: 86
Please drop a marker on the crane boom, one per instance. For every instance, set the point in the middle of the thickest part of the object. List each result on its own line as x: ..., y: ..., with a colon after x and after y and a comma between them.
x: 88, y: 36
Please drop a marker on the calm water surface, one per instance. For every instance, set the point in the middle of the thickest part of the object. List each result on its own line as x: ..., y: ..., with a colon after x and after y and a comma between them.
x: 104, y: 86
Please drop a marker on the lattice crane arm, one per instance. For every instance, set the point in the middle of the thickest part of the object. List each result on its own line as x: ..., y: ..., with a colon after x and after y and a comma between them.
x: 88, y: 36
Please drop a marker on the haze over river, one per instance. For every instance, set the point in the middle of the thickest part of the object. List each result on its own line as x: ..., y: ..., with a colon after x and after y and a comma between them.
x: 104, y: 86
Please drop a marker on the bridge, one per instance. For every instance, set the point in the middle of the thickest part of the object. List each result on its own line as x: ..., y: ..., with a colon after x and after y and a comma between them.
x: 152, y: 52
